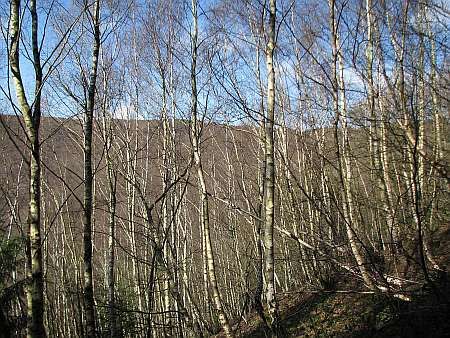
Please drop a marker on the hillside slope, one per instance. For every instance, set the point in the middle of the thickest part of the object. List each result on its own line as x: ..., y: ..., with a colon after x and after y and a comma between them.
x: 355, y: 314
x: 349, y: 312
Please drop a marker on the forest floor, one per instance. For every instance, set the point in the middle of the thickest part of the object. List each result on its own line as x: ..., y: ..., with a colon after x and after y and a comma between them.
x: 350, y: 314
x: 358, y: 314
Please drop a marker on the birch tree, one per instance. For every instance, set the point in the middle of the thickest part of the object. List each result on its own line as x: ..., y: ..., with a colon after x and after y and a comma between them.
x: 269, y: 176
x: 31, y: 114
x: 345, y: 173
x: 30, y: 108
x: 89, y: 309
x: 195, y: 135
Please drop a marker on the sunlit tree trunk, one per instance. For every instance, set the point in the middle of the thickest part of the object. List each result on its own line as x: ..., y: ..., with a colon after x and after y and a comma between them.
x: 345, y: 172
x: 195, y: 134
x: 31, y: 117
x: 269, y: 177
x: 417, y: 164
x: 438, y: 153
x: 376, y: 153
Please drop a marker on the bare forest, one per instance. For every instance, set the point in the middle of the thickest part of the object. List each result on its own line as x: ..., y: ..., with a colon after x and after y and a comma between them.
x: 229, y: 168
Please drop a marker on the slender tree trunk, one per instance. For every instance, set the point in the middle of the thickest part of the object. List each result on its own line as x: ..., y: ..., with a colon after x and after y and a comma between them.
x: 88, y: 181
x: 112, y: 179
x: 203, y: 190
x: 377, y: 166
x: 343, y: 155
x: 418, y: 170
x: 269, y: 178
x: 111, y: 250
x: 31, y: 117
x: 438, y: 153
x: 259, y: 223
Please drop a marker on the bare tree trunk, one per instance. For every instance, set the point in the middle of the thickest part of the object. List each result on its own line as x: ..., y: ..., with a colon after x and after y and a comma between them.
x: 167, y: 218
x: 131, y: 172
x: 111, y: 248
x: 31, y: 117
x: 438, y: 153
x: 112, y: 180
x: 418, y: 169
x: 269, y: 178
x: 343, y: 155
x: 259, y: 223
x: 88, y: 181
x: 195, y: 131
x: 377, y: 158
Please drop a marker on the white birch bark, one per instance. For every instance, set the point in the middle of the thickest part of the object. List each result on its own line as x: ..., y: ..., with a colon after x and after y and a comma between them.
x: 31, y: 117
x: 269, y: 178
x: 345, y: 172
x: 195, y: 131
